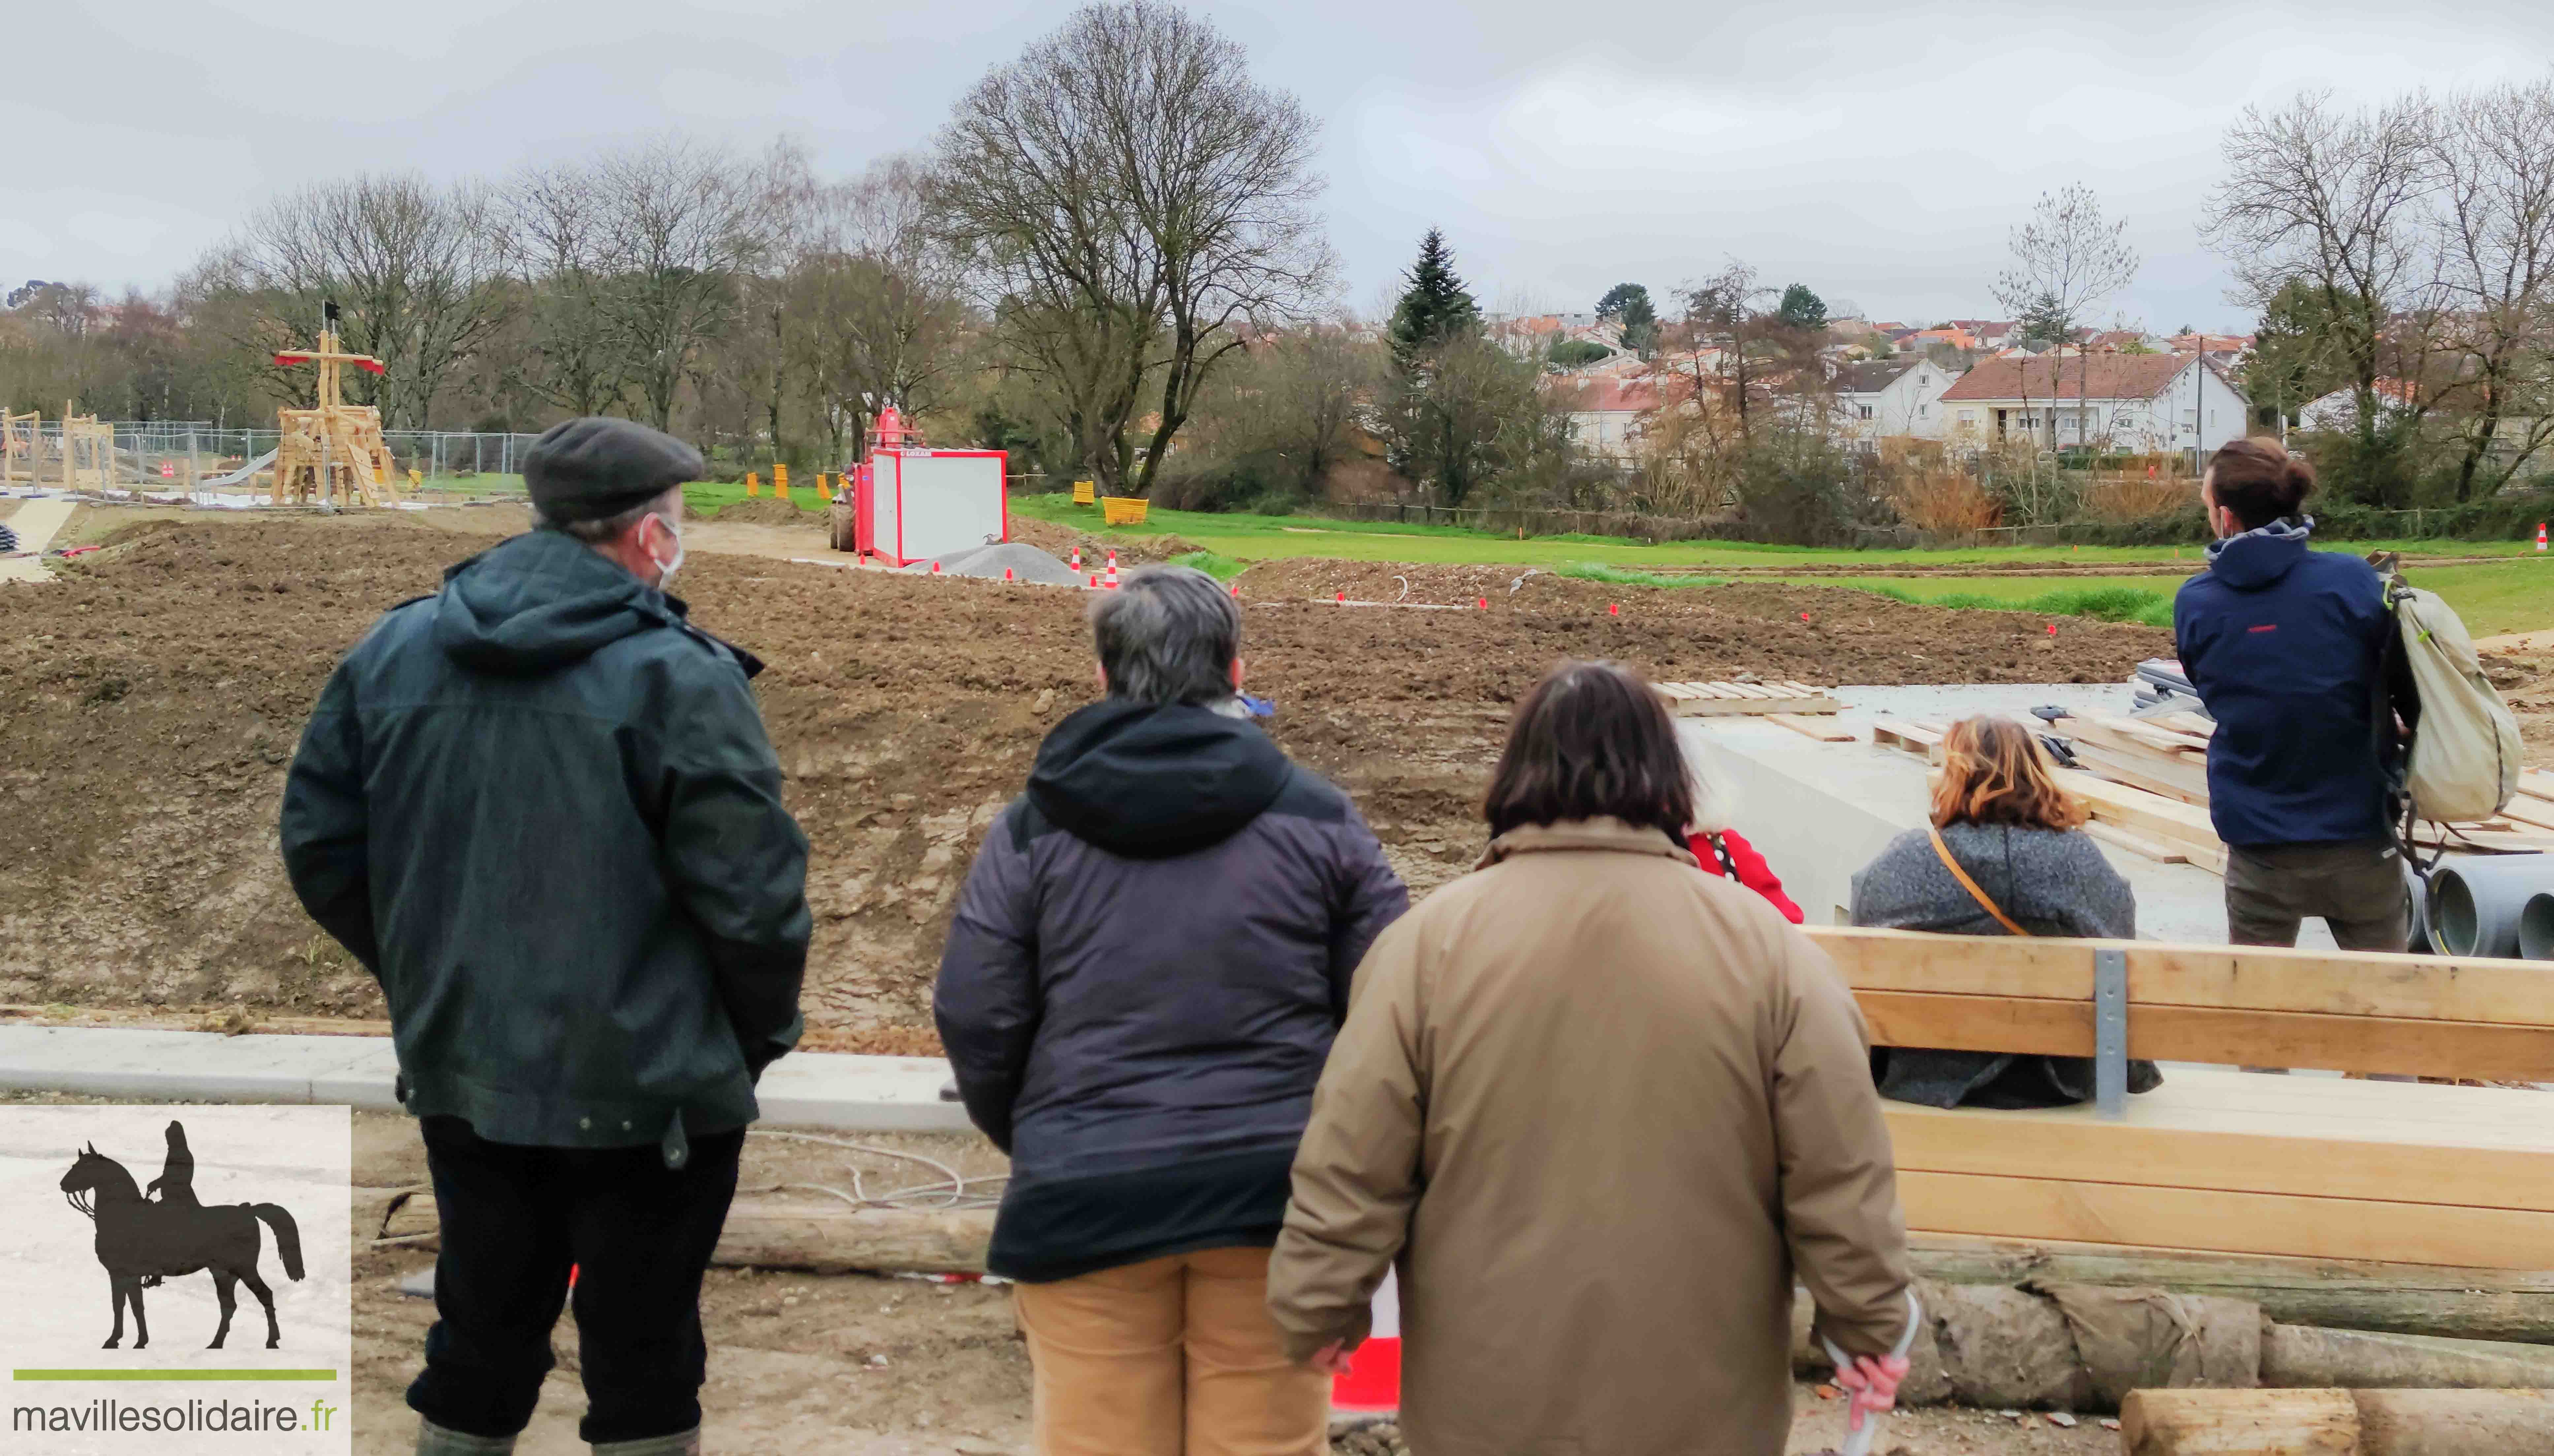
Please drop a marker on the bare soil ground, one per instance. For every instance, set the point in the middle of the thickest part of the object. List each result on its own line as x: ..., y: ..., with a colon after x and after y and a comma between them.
x: 151, y: 698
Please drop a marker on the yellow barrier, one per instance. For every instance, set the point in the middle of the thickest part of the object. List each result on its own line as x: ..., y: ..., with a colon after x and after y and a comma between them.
x: 415, y: 479
x: 752, y: 483
x: 1123, y: 510
x: 1083, y: 493
x: 821, y: 492
x: 780, y: 481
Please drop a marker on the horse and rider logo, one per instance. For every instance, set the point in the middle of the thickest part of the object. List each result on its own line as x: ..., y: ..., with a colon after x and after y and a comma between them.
x: 143, y: 1239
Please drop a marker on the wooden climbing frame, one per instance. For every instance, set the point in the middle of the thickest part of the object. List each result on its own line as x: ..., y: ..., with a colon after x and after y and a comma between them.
x: 18, y: 436
x: 333, y: 453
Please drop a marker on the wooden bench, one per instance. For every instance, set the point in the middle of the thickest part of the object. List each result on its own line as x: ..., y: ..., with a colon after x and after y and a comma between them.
x: 2218, y: 1159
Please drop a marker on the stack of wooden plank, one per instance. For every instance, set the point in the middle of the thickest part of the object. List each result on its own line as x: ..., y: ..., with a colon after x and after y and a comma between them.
x: 2167, y: 756
x: 2162, y: 755
x: 1794, y: 706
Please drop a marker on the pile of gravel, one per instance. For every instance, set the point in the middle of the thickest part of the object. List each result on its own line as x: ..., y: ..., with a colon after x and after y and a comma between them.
x: 1025, y: 562
x: 1367, y: 1439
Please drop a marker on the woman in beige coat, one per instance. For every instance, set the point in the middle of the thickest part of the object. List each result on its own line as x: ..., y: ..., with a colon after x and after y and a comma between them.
x: 1601, y: 1109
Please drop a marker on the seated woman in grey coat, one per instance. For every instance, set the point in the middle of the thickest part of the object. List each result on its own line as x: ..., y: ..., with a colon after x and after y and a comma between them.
x: 2005, y: 855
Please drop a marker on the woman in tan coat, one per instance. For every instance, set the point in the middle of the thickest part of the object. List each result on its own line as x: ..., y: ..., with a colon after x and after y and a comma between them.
x: 1601, y: 1109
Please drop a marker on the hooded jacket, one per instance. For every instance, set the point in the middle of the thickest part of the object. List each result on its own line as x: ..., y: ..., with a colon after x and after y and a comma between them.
x: 1147, y: 964
x: 2286, y: 648
x: 540, y: 807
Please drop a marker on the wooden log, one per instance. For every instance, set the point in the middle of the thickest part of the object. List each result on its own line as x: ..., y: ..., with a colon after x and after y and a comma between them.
x: 2194, y: 1422
x: 770, y: 1233
x: 2454, y: 1422
x: 2302, y: 1357
x: 2399, y: 1299
x: 2336, y: 1422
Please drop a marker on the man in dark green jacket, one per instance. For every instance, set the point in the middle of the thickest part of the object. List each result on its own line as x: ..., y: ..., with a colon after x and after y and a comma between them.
x: 540, y: 807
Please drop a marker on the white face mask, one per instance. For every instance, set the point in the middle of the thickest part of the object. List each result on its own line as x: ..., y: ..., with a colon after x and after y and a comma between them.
x: 665, y: 569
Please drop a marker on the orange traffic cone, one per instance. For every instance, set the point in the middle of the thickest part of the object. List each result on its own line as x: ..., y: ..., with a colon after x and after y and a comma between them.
x: 1112, y: 571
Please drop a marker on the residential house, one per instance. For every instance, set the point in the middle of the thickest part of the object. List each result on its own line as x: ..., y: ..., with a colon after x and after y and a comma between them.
x: 2139, y: 404
x: 2338, y: 410
x: 1607, y: 411
x: 2124, y: 341
x: 1900, y: 395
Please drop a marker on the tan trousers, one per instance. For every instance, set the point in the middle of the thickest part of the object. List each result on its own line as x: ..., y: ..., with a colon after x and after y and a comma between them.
x: 1170, y: 1356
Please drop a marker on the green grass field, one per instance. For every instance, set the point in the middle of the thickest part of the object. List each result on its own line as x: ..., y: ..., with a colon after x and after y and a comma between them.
x: 705, y: 496
x: 2496, y: 596
x: 1265, y: 538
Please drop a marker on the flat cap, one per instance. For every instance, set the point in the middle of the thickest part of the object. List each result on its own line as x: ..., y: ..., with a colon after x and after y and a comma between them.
x: 597, y: 467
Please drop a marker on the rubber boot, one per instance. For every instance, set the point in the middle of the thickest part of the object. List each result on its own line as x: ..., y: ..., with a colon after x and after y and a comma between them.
x: 434, y: 1440
x: 680, y: 1443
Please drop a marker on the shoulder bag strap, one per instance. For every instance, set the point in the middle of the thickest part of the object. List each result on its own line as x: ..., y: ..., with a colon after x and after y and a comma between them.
x: 1992, y: 908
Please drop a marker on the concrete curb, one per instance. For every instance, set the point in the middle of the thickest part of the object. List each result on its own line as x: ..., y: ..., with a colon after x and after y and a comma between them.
x: 821, y: 1089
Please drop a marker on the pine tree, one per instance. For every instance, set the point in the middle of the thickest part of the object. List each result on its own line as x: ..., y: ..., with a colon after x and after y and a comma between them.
x: 1803, y: 309
x: 1629, y: 304
x: 1435, y: 309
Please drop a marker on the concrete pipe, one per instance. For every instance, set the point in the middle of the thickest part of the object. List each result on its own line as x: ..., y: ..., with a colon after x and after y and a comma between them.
x: 2477, y: 902
x: 2419, y: 942
x: 2536, y: 928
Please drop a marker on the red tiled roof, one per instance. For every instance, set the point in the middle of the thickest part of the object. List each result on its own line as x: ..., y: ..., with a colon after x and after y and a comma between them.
x: 2073, y: 376
x: 1602, y: 394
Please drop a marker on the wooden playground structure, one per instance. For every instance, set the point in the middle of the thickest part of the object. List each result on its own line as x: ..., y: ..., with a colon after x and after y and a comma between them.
x: 18, y: 436
x: 333, y: 453
x: 81, y: 456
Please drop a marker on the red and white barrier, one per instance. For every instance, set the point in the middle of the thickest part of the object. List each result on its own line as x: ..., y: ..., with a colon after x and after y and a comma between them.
x: 1373, y: 1381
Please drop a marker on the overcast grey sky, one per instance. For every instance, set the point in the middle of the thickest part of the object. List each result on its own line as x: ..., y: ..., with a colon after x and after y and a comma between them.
x: 1877, y: 150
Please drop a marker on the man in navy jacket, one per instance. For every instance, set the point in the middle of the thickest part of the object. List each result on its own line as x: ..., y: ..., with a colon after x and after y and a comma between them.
x: 2288, y: 648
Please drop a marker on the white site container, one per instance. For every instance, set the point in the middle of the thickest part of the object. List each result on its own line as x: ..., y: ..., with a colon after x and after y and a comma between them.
x: 916, y: 504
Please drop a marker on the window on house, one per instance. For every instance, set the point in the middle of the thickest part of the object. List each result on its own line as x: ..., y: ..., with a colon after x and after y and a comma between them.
x: 1866, y: 411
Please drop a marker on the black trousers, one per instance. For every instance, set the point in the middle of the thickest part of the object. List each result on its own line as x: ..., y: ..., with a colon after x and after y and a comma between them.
x: 514, y: 1219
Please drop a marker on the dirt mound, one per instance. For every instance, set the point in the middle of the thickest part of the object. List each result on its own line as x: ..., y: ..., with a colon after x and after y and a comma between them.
x: 152, y: 697
x: 763, y: 511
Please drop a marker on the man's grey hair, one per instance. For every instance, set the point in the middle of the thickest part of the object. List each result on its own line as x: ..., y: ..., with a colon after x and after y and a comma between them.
x: 1169, y: 634
x: 609, y: 527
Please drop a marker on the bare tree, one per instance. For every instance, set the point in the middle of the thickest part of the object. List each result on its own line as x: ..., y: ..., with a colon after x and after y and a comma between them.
x: 684, y: 222
x: 2337, y: 201
x: 2495, y: 157
x: 411, y: 266
x: 884, y: 320
x: 2066, y: 261
x: 1132, y: 205
x: 561, y: 260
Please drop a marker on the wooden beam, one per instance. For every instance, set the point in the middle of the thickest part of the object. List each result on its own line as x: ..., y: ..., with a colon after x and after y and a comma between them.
x: 2235, y: 1223
x: 2069, y: 1146
x: 2216, y: 1035
x: 2138, y: 844
x: 1824, y: 730
x: 2232, y: 977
